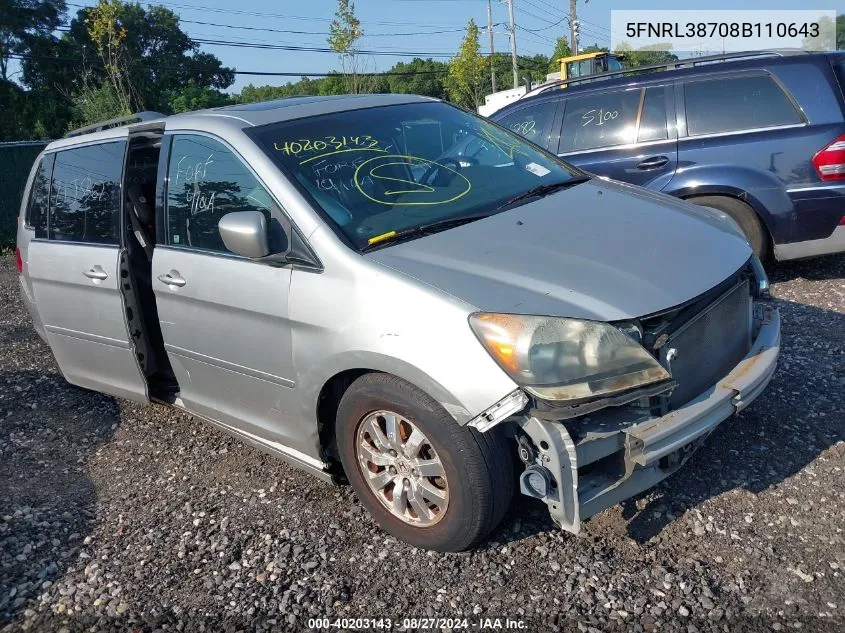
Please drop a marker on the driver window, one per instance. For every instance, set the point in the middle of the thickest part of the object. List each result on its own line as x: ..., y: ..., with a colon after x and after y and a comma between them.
x: 206, y: 180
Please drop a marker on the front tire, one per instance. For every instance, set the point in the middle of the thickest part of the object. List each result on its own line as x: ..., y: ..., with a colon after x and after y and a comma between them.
x: 425, y: 479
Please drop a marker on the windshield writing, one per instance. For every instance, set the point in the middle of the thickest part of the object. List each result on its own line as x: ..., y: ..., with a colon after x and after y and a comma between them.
x: 383, y: 170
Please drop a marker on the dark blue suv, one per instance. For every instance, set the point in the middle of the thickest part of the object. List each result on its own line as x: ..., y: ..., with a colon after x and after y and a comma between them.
x: 759, y: 136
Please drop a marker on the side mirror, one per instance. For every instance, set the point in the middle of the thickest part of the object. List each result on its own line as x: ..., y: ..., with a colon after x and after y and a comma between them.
x: 245, y: 233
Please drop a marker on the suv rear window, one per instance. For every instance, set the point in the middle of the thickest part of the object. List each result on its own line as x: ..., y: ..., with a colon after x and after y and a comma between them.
x: 39, y: 197
x: 732, y: 104
x: 86, y: 194
x: 531, y: 122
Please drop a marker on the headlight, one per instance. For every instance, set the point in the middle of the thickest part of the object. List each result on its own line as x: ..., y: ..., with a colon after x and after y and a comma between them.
x: 562, y: 359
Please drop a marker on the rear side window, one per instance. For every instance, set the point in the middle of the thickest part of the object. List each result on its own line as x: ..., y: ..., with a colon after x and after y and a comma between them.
x: 205, y: 182
x: 601, y: 119
x: 39, y: 197
x: 732, y: 104
x: 532, y: 122
x: 85, y: 204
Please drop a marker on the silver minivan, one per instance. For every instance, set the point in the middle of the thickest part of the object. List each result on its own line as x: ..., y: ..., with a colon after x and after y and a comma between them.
x: 335, y: 281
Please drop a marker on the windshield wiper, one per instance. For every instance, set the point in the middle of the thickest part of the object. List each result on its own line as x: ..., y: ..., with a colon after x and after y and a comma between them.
x: 425, y: 229
x: 542, y: 191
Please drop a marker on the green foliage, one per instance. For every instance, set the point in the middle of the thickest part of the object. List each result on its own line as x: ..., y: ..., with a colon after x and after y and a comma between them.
x: 93, y: 104
x: 561, y: 50
x: 430, y: 84
x: 344, y: 33
x: 530, y: 68
x: 467, y: 71
x: 13, y: 122
x: 832, y: 35
x: 108, y: 32
x: 158, y: 58
x: 645, y: 56
x: 23, y: 23
x: 595, y: 48
x: 194, y: 97
x: 345, y: 30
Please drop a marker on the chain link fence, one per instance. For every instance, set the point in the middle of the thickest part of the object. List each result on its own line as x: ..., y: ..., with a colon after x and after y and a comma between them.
x: 15, y: 162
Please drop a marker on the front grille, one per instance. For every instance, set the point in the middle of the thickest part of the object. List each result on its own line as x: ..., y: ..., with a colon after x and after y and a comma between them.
x: 709, y: 346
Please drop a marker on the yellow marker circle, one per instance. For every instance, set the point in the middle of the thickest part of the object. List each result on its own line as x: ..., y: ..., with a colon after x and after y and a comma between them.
x: 404, y: 186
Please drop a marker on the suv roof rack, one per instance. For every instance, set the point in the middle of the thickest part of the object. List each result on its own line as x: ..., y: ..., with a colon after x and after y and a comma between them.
x: 692, y: 61
x: 146, y: 115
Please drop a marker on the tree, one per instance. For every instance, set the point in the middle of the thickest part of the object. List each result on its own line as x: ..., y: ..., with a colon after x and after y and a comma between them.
x: 106, y: 30
x: 419, y: 77
x: 193, y: 97
x: 561, y: 50
x: 831, y: 35
x: 344, y: 33
x: 468, y: 71
x: 645, y: 56
x: 840, y: 32
x: 24, y: 21
x: 159, y: 59
x: 594, y: 48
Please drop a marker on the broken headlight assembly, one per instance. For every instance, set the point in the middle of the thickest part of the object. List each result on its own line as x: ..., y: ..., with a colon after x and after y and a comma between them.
x: 566, y: 360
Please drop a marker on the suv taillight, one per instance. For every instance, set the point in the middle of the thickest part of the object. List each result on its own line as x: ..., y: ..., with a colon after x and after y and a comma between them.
x: 18, y: 259
x: 830, y: 160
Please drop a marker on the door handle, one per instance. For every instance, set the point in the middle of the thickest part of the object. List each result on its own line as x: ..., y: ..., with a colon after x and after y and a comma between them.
x: 654, y: 162
x: 96, y: 272
x: 173, y: 278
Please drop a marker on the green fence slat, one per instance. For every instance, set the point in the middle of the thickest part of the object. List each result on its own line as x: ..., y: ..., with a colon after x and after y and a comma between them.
x: 15, y: 162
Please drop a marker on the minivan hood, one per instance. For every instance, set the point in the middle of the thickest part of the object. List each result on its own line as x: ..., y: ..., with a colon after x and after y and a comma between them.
x: 601, y: 250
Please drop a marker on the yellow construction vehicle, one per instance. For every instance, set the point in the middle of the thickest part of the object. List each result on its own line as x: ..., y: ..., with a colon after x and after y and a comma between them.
x: 585, y: 64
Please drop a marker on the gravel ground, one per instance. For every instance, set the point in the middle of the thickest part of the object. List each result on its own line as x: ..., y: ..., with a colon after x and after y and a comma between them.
x: 120, y: 517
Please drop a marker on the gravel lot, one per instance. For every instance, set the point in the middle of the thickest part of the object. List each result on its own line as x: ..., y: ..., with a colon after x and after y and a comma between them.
x: 120, y: 517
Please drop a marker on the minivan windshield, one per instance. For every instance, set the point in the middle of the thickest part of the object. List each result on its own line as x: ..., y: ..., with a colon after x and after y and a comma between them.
x: 402, y: 171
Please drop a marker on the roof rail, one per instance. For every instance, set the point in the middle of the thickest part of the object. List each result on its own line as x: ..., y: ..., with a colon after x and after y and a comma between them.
x: 692, y: 61
x: 146, y: 115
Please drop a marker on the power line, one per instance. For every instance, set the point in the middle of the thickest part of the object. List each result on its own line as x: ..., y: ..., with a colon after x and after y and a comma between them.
x: 261, y: 14
x: 317, y: 49
x: 294, y: 32
x: 76, y: 60
x: 537, y: 38
x: 554, y: 12
x: 545, y: 28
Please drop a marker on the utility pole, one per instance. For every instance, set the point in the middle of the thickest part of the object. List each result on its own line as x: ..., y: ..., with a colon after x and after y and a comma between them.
x: 513, y: 44
x: 573, y: 29
x: 490, y: 31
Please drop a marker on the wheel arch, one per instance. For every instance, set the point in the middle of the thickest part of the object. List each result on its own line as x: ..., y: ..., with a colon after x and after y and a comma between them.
x: 762, y: 191
x: 327, y: 398
x: 739, y: 198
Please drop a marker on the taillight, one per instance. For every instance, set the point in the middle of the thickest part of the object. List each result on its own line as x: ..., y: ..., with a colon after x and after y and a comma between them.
x: 18, y: 259
x: 830, y: 160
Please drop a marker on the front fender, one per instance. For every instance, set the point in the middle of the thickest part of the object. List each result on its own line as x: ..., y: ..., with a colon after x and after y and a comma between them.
x: 371, y: 361
x: 761, y: 190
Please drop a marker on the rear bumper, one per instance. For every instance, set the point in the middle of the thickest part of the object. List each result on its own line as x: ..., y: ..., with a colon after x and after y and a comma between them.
x: 29, y: 302
x: 647, y: 452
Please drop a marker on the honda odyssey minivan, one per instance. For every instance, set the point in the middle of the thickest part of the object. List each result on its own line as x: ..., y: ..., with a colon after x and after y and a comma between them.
x: 328, y: 279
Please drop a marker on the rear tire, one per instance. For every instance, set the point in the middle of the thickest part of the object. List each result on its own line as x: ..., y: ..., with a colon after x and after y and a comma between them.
x: 745, y: 216
x: 472, y: 478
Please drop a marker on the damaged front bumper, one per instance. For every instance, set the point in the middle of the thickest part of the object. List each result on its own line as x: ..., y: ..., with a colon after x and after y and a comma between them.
x: 611, y: 459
